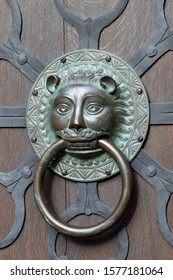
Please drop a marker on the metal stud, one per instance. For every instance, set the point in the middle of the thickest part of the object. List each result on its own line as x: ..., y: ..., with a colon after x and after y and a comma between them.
x: 108, y: 58
x: 140, y: 138
x: 151, y: 171
x: 108, y: 172
x: 151, y: 51
x: 35, y: 92
x: 22, y: 58
x: 64, y: 172
x: 139, y: 91
x: 63, y: 60
x: 26, y: 172
x: 33, y: 139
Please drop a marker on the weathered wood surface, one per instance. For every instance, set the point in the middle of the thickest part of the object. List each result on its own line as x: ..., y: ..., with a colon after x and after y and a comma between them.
x: 47, y: 36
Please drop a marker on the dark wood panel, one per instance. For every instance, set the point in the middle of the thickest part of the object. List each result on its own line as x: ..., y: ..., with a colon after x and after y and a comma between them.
x: 130, y: 30
x: 44, y: 36
x: 123, y: 38
x: 42, y: 29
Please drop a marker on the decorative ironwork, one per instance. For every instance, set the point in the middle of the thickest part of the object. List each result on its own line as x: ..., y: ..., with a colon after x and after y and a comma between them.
x: 161, y: 180
x: 88, y: 192
x: 17, y: 181
x: 15, y: 52
x: 89, y: 30
x: 158, y: 44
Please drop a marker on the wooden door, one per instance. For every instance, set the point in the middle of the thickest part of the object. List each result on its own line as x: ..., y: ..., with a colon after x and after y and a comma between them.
x: 47, y: 36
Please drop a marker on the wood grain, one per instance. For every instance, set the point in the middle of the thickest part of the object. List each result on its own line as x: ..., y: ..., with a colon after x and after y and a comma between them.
x: 47, y: 37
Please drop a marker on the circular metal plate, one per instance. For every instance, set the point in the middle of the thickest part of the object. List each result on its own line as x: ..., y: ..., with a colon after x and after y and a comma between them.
x: 131, y: 108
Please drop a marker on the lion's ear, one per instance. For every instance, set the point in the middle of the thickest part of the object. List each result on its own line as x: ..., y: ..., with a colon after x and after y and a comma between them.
x: 109, y: 84
x: 52, y: 83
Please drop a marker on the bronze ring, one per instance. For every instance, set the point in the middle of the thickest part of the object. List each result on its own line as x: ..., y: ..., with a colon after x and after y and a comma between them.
x: 116, y: 215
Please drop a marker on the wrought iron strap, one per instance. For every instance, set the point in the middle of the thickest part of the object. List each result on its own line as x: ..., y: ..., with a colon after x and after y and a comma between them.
x: 18, y: 196
x: 160, y: 42
x: 161, y: 180
x: 23, y: 170
x: 161, y: 113
x: 12, y: 117
x: 13, y: 50
x: 123, y: 245
x: 88, y: 203
x: 16, y: 183
x: 89, y: 30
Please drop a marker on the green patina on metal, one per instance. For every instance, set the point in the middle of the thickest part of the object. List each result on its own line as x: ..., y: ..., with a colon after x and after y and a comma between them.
x: 85, y: 77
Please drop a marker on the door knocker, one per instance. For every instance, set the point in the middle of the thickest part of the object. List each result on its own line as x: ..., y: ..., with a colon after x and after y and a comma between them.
x: 87, y: 117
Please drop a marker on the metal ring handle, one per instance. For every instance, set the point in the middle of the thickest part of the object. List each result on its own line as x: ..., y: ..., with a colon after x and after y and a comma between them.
x: 52, y: 218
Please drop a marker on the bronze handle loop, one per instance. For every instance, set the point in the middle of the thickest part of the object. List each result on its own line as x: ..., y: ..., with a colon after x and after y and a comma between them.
x: 101, y: 227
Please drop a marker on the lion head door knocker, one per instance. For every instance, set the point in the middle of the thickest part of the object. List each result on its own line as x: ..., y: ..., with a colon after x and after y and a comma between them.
x: 87, y: 117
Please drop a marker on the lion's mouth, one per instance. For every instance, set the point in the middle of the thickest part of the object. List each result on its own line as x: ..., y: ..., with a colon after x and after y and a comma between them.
x: 81, y: 146
x: 83, y: 141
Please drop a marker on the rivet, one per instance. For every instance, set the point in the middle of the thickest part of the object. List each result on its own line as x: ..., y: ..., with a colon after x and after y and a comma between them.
x: 151, y: 51
x: 22, y: 58
x: 151, y: 171
x: 35, y: 92
x: 64, y: 172
x: 108, y: 172
x: 139, y: 90
x: 140, y: 138
x: 108, y: 58
x: 63, y: 60
x: 26, y: 172
x: 33, y: 139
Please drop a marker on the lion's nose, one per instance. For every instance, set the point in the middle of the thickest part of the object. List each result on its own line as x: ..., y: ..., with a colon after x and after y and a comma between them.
x: 77, y: 120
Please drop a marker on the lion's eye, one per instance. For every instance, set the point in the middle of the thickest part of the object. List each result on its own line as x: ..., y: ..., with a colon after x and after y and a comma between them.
x: 63, y: 109
x: 94, y: 108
